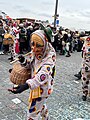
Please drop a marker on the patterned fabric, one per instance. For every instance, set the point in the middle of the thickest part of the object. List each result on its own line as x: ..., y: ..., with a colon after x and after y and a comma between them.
x: 86, y: 68
x: 42, y: 79
x: 38, y: 108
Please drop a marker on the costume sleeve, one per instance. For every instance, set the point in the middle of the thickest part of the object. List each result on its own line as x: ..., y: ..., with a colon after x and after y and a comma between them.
x: 41, y: 77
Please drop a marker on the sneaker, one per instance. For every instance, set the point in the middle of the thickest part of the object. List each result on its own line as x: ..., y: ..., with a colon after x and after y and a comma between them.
x: 1, y: 53
x: 84, y: 98
x: 5, y: 52
x: 78, y: 76
x: 68, y: 55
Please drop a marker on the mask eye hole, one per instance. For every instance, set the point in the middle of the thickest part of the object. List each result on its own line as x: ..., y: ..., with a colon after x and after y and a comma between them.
x: 39, y: 45
x: 32, y: 43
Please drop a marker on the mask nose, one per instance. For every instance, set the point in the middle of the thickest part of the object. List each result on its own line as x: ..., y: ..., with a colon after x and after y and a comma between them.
x: 32, y: 45
x: 33, y: 48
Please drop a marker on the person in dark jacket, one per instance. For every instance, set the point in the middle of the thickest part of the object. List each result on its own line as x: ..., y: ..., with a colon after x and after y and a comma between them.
x: 22, y: 38
x: 29, y: 31
x: 1, y: 37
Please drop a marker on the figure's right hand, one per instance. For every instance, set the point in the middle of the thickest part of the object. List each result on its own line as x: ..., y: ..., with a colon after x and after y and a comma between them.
x: 21, y: 58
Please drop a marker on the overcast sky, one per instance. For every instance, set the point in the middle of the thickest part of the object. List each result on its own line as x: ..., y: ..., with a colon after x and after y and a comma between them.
x: 72, y: 13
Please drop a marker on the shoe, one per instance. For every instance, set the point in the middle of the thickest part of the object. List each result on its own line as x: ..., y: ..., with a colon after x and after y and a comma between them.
x: 68, y: 55
x: 78, y: 76
x: 5, y: 52
x: 11, y: 58
x: 1, y: 53
x: 84, y: 98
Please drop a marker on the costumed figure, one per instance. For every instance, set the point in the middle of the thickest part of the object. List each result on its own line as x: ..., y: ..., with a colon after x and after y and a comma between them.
x: 42, y: 67
x: 15, y: 47
x: 86, y: 69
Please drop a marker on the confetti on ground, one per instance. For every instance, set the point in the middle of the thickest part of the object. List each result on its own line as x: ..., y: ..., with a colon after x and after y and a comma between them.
x: 16, y: 100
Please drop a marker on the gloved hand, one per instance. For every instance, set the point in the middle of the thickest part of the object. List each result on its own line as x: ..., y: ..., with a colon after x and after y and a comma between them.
x: 21, y: 58
x: 19, y: 89
x: 10, y: 70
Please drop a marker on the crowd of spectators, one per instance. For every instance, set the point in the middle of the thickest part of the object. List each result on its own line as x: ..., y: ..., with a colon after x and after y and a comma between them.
x: 64, y: 41
x: 20, y: 34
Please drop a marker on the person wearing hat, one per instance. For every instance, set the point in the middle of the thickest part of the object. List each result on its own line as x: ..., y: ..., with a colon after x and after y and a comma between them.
x: 22, y: 38
x: 42, y: 65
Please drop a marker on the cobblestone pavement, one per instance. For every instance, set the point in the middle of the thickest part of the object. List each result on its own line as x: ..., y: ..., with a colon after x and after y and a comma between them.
x: 64, y: 104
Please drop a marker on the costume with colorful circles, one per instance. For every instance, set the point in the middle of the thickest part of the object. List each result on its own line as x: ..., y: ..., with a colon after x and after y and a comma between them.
x: 43, y: 60
x: 86, y: 68
x: 41, y: 63
x: 41, y: 83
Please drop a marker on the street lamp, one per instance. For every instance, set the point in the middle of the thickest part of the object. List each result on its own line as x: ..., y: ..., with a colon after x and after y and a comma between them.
x: 55, y: 16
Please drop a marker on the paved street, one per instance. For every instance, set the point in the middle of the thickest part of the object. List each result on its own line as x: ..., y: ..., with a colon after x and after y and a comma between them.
x: 64, y: 104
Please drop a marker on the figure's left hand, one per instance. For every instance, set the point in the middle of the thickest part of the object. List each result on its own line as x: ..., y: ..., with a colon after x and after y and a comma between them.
x: 14, y: 90
x: 19, y: 89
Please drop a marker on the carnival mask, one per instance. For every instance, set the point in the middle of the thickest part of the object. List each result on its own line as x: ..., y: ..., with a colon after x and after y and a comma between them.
x: 37, y: 45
